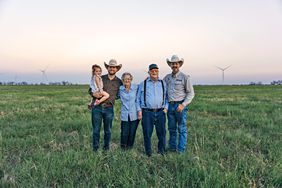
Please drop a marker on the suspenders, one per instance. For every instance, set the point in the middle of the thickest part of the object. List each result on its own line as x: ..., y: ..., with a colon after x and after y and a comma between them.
x: 145, y: 86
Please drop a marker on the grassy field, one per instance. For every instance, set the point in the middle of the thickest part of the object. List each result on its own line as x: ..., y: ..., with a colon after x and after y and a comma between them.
x: 234, y: 140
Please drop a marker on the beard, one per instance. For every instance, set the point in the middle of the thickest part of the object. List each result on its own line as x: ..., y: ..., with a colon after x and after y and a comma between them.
x: 111, y: 73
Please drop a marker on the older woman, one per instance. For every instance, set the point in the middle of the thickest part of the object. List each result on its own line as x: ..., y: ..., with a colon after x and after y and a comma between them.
x: 129, y: 120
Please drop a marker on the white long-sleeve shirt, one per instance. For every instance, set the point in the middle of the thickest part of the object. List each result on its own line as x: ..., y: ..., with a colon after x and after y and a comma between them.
x: 93, y: 85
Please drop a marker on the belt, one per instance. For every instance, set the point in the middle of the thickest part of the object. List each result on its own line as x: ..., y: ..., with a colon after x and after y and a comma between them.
x: 153, y: 109
x: 105, y: 105
x: 175, y: 102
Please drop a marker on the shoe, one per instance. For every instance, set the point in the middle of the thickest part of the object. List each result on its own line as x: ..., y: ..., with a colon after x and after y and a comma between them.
x: 149, y: 154
x: 171, y: 150
x: 161, y: 153
x: 180, y: 151
x: 107, y: 148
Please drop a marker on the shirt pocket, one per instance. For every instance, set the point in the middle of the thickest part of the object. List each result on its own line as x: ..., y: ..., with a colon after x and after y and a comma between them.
x: 123, y: 96
x: 179, y: 86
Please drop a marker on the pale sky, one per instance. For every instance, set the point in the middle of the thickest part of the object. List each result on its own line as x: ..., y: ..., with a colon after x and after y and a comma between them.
x: 69, y: 36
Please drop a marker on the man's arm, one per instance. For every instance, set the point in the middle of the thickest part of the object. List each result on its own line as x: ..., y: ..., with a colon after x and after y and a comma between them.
x: 165, y: 96
x: 138, y: 101
x: 138, y: 97
x: 118, y: 94
x: 189, y: 91
x: 90, y: 92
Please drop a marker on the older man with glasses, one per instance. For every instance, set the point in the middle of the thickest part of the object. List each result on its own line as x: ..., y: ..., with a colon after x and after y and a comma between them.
x: 151, y: 106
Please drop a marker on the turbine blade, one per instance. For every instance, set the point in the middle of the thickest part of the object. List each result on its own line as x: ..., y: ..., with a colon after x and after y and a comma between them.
x: 227, y: 67
x: 219, y: 68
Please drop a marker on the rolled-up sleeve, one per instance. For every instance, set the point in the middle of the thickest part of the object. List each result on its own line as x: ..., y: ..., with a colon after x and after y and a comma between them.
x: 189, y: 91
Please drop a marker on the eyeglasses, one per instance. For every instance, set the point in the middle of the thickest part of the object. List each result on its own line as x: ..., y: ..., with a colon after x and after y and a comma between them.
x: 154, y: 70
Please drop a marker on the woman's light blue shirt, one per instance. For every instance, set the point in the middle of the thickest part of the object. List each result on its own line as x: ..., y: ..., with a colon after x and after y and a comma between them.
x: 128, y: 104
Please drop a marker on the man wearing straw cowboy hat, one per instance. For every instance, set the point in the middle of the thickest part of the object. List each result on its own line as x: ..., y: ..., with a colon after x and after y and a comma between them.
x: 180, y: 94
x: 105, y: 110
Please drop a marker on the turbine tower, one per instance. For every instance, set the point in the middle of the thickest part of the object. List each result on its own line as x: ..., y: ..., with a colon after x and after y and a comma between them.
x: 44, y: 75
x: 223, y: 69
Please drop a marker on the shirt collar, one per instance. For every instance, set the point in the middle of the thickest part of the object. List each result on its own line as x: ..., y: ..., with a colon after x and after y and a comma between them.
x: 176, y: 75
x: 131, y: 87
x: 107, y: 76
x: 149, y: 79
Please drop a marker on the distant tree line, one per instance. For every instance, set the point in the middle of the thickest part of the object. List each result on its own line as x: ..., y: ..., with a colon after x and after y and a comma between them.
x: 255, y: 83
x: 278, y: 82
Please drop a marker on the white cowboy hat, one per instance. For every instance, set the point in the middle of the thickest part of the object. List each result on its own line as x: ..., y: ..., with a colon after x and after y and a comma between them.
x: 113, y: 63
x: 175, y: 59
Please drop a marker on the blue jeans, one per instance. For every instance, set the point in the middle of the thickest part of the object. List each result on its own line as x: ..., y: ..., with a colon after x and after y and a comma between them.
x: 128, y: 132
x: 177, y: 124
x: 106, y: 114
x: 149, y: 119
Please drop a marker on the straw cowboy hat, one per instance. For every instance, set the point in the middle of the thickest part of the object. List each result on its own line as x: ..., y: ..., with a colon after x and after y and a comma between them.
x: 113, y: 63
x: 175, y: 59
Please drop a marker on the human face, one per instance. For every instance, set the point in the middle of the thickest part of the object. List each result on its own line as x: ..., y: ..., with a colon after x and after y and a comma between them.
x: 175, y: 67
x: 154, y: 74
x: 127, y: 81
x: 98, y: 72
x: 112, y: 70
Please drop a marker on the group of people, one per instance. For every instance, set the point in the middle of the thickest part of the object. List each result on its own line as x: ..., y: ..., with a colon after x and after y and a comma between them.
x: 148, y: 102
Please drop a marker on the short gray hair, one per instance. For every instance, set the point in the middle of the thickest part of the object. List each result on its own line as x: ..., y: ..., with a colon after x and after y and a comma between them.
x: 126, y: 74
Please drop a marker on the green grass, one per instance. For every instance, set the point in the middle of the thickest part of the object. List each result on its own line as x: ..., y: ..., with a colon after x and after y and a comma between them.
x: 234, y: 140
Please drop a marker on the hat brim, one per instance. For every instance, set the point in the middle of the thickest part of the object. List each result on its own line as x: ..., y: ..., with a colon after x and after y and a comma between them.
x: 181, y: 61
x: 118, y: 66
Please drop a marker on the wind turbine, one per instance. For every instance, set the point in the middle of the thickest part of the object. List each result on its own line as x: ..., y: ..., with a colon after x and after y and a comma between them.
x: 44, y: 75
x: 223, y: 69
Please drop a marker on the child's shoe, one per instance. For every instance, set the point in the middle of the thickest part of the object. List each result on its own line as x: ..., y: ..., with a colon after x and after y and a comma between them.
x: 90, y: 106
x: 97, y: 102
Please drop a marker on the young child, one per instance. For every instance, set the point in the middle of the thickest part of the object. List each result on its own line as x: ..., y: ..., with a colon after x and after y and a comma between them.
x: 96, y: 85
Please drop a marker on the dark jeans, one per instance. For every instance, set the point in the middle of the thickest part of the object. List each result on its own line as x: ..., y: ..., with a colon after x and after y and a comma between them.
x: 128, y: 132
x: 149, y: 119
x: 177, y: 128
x: 106, y: 114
